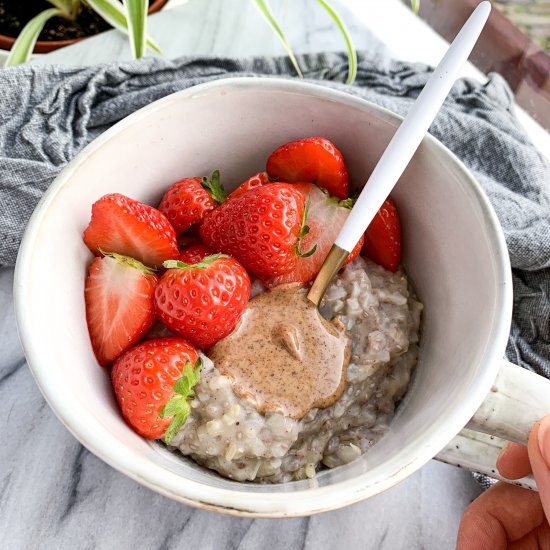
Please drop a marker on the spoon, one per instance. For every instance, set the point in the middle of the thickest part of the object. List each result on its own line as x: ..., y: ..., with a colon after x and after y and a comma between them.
x: 400, y: 150
x: 293, y: 337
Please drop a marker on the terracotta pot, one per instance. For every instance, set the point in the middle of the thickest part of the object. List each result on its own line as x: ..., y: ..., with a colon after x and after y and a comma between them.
x: 45, y: 46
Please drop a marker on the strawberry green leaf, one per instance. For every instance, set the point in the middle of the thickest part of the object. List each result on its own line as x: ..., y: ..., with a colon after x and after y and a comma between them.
x: 203, y: 264
x: 173, y: 407
x: 347, y: 203
x: 177, y: 422
x: 214, y: 187
x: 178, y: 407
x: 304, y: 230
x: 415, y: 6
x: 128, y: 261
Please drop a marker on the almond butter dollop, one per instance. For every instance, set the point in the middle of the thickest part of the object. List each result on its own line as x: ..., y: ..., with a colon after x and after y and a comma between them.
x: 284, y: 356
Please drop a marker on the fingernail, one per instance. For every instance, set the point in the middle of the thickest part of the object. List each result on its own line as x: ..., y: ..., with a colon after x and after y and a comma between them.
x: 544, y: 439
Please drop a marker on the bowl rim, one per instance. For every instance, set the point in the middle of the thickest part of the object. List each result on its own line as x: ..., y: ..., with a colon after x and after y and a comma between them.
x: 275, y: 504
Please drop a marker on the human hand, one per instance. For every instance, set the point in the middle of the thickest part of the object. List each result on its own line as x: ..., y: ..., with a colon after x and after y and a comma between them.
x: 507, y: 516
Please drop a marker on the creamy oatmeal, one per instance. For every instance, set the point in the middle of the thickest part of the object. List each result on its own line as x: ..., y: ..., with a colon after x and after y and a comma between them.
x: 227, y: 433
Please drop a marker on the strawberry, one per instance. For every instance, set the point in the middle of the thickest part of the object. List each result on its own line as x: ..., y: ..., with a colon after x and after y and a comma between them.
x: 125, y: 226
x: 202, y: 302
x: 325, y: 217
x: 186, y: 201
x: 194, y: 253
x: 261, y: 178
x: 119, y: 295
x: 153, y: 383
x: 356, y: 251
x: 260, y: 228
x: 314, y: 160
x: 383, y: 237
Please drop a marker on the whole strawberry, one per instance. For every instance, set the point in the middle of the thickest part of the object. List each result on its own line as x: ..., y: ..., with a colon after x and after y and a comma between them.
x: 202, y: 302
x: 153, y: 384
x: 119, y: 295
x: 126, y: 226
x: 313, y: 160
x: 186, y: 201
x: 261, y: 228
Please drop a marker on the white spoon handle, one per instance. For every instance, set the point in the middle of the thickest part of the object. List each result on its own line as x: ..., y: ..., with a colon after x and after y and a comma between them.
x: 408, y: 136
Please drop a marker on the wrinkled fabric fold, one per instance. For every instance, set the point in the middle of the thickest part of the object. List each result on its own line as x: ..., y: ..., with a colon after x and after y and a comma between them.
x: 48, y: 114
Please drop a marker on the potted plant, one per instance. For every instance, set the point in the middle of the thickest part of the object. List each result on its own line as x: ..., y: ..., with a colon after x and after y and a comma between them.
x: 45, y: 25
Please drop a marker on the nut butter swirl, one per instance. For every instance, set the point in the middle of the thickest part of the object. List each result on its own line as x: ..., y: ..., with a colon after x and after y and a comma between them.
x: 284, y: 356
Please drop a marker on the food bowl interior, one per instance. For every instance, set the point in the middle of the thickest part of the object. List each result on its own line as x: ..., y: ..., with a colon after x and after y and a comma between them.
x: 449, y: 253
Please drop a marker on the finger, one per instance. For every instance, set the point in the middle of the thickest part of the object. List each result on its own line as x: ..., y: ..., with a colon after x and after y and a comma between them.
x: 502, y: 514
x: 539, y: 455
x: 513, y: 461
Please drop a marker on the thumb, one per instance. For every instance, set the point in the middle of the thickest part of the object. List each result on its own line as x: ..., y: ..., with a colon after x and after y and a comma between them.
x: 539, y: 456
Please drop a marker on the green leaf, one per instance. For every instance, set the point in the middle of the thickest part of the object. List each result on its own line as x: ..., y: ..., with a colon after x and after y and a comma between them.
x: 177, y: 422
x: 304, y: 230
x: 24, y: 45
x: 265, y: 10
x: 136, y: 16
x: 136, y: 264
x: 352, y: 54
x: 113, y: 12
x: 173, y: 406
x: 203, y: 264
x: 214, y: 187
x: 415, y: 6
x: 67, y: 6
x: 178, y: 407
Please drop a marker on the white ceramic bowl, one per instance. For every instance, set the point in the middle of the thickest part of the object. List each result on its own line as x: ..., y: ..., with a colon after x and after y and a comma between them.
x: 454, y: 253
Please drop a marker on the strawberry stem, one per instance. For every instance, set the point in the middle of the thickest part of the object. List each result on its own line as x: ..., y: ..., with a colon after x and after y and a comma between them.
x: 178, y: 407
x: 304, y: 230
x: 344, y: 203
x: 203, y: 264
x: 214, y: 187
x: 127, y: 260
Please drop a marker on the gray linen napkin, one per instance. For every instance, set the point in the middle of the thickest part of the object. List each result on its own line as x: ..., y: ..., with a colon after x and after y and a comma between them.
x: 47, y: 114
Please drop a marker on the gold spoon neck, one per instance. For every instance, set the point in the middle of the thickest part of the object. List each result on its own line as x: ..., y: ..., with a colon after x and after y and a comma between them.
x: 332, y: 264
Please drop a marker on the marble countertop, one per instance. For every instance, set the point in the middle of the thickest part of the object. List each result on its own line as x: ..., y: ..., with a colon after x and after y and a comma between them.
x: 54, y: 494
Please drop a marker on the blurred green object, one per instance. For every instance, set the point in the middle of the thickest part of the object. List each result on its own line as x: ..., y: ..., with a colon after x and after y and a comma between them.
x: 531, y: 16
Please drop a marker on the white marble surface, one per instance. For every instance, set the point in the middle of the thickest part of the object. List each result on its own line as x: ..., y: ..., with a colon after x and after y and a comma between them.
x: 55, y: 494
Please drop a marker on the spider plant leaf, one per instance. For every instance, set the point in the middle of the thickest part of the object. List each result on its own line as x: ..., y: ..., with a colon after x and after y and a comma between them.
x: 136, y: 16
x: 415, y: 6
x: 266, y: 12
x: 64, y: 5
x: 113, y: 13
x: 24, y: 45
x: 352, y: 54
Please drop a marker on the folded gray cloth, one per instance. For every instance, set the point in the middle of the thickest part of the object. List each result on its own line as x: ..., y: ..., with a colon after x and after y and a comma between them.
x: 49, y: 113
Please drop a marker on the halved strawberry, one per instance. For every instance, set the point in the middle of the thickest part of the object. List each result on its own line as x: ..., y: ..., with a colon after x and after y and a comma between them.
x: 126, y: 226
x: 314, y: 160
x: 261, y: 178
x: 325, y: 217
x: 119, y: 295
x: 383, y: 237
